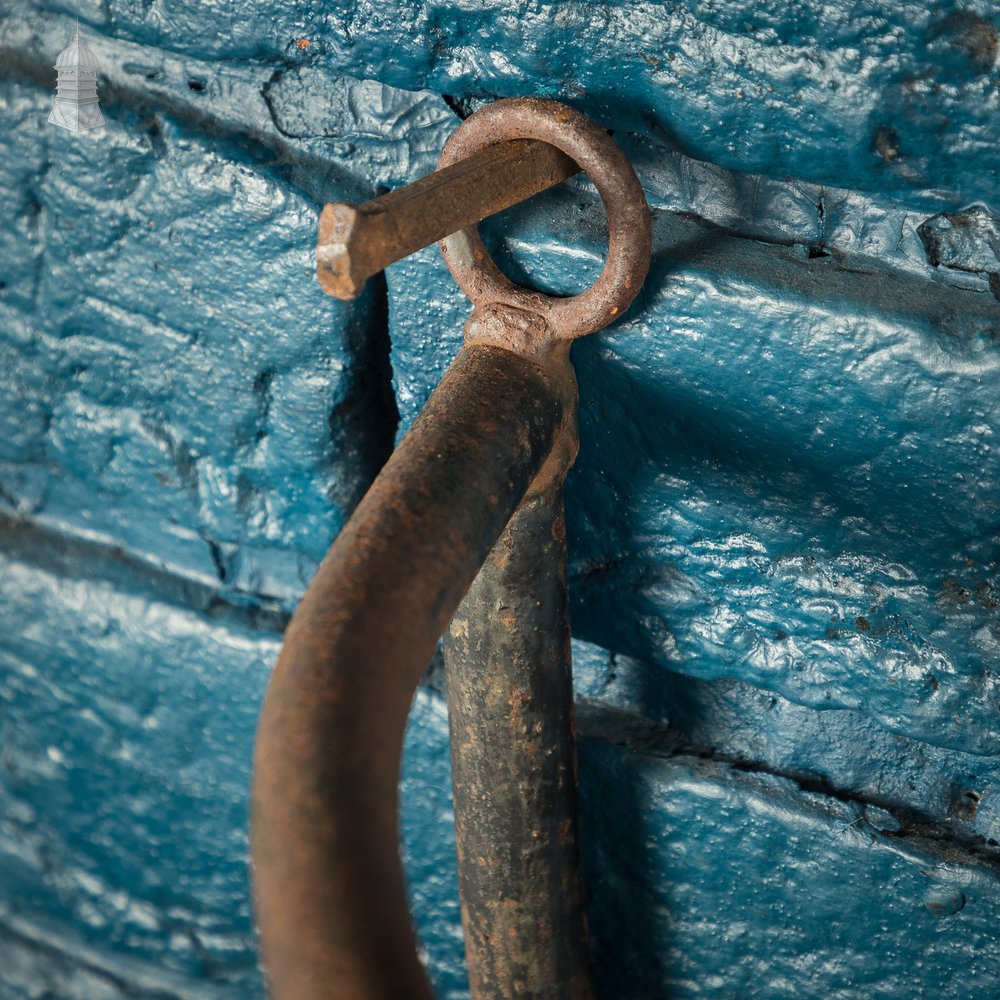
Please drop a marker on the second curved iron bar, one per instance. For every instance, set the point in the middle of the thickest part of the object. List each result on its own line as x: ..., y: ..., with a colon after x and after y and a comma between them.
x: 329, y: 888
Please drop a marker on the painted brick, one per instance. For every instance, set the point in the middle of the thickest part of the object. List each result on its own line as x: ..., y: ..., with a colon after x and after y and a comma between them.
x: 126, y: 729
x: 783, y: 547
x: 764, y: 880
x: 888, y: 96
x: 729, y: 519
x: 187, y: 386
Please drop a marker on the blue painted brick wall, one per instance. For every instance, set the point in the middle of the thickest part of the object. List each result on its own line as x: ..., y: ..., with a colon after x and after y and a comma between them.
x: 784, y: 547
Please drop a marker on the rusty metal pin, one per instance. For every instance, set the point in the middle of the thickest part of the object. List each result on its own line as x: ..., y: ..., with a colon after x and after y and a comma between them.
x: 357, y: 241
x: 489, y: 450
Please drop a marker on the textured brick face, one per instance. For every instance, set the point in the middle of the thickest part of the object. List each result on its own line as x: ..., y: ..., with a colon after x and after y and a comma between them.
x: 178, y: 365
x: 784, y: 552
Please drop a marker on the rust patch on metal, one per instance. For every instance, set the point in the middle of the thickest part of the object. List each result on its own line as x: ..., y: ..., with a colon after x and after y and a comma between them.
x: 523, y: 904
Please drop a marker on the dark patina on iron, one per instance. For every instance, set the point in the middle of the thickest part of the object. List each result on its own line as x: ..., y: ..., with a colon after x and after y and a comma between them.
x: 477, y: 482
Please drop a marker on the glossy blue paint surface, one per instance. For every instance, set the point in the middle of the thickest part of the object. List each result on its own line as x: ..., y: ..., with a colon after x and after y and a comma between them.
x: 783, y: 521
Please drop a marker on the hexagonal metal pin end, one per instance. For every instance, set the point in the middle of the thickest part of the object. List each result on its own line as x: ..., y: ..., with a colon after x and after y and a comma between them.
x: 337, y: 265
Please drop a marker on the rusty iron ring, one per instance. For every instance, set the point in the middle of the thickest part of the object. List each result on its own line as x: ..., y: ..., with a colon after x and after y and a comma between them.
x: 629, y: 227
